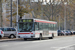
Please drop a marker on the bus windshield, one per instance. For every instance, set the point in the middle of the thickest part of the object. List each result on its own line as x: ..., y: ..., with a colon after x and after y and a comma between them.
x: 26, y: 27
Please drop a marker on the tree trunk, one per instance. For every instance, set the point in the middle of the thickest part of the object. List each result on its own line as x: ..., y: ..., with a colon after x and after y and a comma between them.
x: 1, y: 12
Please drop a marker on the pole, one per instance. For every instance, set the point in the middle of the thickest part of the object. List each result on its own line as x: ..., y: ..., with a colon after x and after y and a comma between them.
x: 52, y: 11
x: 1, y: 13
x: 41, y: 11
x: 59, y: 22
x: 11, y: 15
x: 17, y: 20
x: 31, y: 8
x: 65, y: 17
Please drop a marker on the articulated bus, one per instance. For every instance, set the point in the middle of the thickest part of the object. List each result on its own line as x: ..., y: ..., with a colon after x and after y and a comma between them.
x: 36, y: 28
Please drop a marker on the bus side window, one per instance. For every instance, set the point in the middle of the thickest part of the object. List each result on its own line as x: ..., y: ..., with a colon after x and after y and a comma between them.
x: 54, y: 26
x: 40, y: 26
x: 49, y: 26
x: 36, y: 26
x: 46, y: 26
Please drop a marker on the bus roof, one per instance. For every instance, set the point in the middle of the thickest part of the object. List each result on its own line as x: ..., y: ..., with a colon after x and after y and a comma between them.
x: 44, y: 21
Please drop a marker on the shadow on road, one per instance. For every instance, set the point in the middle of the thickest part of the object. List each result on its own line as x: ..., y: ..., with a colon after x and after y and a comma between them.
x: 21, y: 40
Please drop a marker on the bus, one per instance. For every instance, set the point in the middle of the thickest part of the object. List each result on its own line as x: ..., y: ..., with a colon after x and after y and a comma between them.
x: 36, y: 28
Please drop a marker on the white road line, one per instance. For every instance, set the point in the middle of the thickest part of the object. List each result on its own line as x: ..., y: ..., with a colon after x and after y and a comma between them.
x: 65, y: 47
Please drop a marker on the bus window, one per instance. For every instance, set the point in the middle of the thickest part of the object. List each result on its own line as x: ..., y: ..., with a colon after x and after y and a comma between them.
x: 55, y: 27
x: 51, y: 26
x: 36, y: 26
x: 20, y: 26
x: 40, y: 26
x: 47, y: 26
x: 44, y: 26
x: 25, y: 27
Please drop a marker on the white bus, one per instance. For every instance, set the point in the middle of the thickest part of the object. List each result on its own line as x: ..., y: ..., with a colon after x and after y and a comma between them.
x: 36, y: 28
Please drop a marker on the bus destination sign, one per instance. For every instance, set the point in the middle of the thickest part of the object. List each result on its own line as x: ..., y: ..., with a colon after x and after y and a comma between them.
x: 26, y: 20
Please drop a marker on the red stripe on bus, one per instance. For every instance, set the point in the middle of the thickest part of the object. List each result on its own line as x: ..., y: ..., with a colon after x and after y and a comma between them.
x: 25, y: 33
x: 44, y: 21
x: 37, y: 33
x: 55, y: 33
x: 50, y: 33
x: 31, y: 33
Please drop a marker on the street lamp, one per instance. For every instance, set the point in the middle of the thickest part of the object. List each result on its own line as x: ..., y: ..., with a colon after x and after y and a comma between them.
x: 1, y: 12
x: 11, y: 15
x: 17, y: 20
x: 65, y: 3
x: 52, y: 10
x: 59, y: 20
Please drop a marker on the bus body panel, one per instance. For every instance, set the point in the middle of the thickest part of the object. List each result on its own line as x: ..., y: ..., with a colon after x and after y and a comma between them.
x: 53, y: 32
x: 36, y: 33
x: 26, y: 34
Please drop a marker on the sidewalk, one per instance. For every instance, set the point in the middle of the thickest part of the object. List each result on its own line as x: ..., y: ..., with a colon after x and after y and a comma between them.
x: 2, y: 40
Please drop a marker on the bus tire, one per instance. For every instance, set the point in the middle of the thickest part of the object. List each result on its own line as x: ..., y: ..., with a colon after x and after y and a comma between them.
x: 52, y: 36
x: 40, y: 38
x: 0, y: 36
x: 25, y: 39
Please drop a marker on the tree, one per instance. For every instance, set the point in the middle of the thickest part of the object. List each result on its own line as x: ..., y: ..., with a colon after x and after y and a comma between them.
x: 1, y: 18
x: 22, y: 9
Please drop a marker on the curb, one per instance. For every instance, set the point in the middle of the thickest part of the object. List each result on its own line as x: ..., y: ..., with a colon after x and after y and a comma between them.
x: 4, y: 40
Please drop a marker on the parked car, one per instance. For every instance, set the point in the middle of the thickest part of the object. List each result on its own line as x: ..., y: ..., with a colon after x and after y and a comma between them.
x: 70, y: 33
x: 74, y: 32
x: 60, y: 33
x: 67, y: 32
x: 9, y: 32
x: 1, y: 34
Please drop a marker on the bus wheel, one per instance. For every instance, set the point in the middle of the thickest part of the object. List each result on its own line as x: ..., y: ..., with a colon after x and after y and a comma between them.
x: 0, y: 37
x: 40, y: 38
x: 25, y: 39
x: 52, y: 36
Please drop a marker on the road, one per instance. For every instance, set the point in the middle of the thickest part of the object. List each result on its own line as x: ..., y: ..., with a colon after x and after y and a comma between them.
x: 58, y: 43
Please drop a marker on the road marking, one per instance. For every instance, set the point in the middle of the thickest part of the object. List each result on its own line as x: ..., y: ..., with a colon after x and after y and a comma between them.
x: 65, y: 47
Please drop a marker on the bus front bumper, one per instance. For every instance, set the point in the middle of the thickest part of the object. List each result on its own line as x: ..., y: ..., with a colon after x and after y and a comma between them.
x: 25, y: 36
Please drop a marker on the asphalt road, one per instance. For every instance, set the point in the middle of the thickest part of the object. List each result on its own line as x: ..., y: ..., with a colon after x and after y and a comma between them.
x: 58, y: 43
